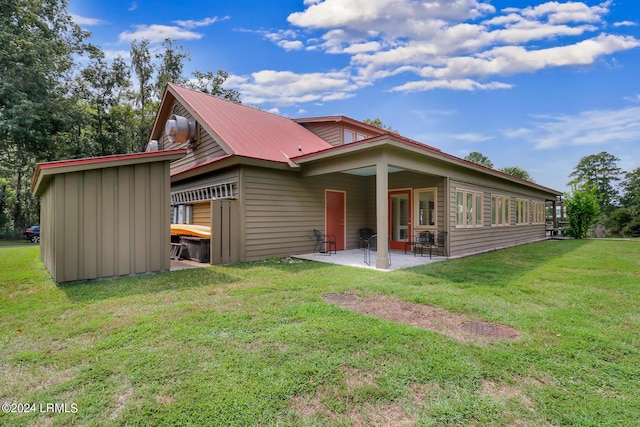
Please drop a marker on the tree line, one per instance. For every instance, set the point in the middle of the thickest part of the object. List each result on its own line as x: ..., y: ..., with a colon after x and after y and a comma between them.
x: 61, y: 98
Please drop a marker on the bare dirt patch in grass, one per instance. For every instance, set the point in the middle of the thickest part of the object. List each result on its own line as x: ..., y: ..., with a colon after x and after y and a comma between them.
x: 121, y: 401
x: 503, y: 391
x: 368, y: 414
x: 419, y: 315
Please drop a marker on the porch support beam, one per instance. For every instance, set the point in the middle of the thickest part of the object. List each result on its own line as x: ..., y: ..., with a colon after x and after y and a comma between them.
x: 382, y: 212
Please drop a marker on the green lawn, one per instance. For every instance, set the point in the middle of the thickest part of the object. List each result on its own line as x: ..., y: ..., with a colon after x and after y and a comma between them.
x: 255, y: 344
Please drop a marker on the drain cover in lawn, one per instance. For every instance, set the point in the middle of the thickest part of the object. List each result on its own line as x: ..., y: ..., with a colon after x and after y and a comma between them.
x: 490, y: 330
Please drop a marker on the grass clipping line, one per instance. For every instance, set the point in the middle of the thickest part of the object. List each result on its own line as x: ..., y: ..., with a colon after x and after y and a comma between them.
x: 423, y: 316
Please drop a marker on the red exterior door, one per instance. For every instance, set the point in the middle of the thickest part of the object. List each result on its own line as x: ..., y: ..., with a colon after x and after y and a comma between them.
x: 335, y: 209
x: 399, y: 218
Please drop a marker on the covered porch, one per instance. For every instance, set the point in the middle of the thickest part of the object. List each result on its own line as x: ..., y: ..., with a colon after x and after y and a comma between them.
x: 400, y: 196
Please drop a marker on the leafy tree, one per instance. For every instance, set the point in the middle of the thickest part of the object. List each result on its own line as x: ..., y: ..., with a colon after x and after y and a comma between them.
x: 633, y: 228
x: 618, y: 220
x: 631, y: 190
x: 212, y: 84
x: 479, y: 159
x: 518, y: 172
x: 39, y: 40
x: 378, y: 123
x: 601, y: 172
x: 170, y: 69
x: 582, y: 211
x: 143, y: 69
x: 102, y: 87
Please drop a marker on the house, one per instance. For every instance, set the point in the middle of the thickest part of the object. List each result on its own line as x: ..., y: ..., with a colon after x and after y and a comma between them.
x: 264, y: 182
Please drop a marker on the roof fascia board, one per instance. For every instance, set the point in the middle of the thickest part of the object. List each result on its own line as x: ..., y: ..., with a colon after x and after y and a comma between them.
x: 390, y: 141
x: 167, y: 98
x: 221, y: 142
x: 45, y: 171
x: 226, y: 162
x: 342, y: 120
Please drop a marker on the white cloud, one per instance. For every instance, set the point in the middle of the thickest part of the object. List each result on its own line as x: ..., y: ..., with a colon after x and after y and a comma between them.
x: 596, y: 127
x: 112, y: 54
x: 189, y: 24
x: 286, y: 39
x: 457, y: 44
x: 363, y: 47
x: 633, y: 98
x: 291, y: 44
x: 625, y: 24
x: 134, y: 6
x: 516, y: 133
x: 469, y: 137
x: 404, y: 16
x: 560, y: 13
x: 461, y: 84
x: 157, y: 33
x: 86, y: 21
x: 285, y: 88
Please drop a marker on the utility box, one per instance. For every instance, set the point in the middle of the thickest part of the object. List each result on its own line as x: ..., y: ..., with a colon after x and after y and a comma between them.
x: 196, y: 248
x: 105, y: 216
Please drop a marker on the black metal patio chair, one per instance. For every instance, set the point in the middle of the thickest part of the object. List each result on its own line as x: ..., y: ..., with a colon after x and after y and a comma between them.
x: 365, y: 234
x: 424, y: 240
x: 326, y: 240
x: 441, y: 242
x: 372, y: 245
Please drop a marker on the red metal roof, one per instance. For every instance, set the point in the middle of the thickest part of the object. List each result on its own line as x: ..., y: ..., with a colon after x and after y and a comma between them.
x: 251, y: 132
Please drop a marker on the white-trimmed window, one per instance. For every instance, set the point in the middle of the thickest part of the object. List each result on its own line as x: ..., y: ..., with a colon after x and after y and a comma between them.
x: 469, y: 208
x: 426, y: 205
x: 182, y: 214
x: 349, y: 136
x: 352, y: 136
x: 539, y: 213
x: 522, y: 211
x: 500, y: 211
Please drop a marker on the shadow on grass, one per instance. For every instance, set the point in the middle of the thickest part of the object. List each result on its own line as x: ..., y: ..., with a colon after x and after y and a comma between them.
x: 287, y: 264
x: 499, y: 267
x: 145, y: 284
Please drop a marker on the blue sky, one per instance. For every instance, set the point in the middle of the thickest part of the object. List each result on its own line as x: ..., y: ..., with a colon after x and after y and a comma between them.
x: 531, y: 84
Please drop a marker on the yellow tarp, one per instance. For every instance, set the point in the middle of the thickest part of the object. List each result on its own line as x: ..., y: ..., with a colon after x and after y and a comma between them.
x: 191, y: 230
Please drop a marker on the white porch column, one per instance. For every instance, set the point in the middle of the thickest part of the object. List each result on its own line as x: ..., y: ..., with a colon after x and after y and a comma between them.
x: 382, y: 214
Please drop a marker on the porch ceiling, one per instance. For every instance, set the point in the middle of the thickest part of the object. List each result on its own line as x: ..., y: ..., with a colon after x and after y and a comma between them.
x: 371, y: 171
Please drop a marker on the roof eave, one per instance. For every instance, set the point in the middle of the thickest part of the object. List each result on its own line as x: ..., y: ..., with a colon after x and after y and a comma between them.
x: 230, y: 161
x: 45, y: 171
x: 402, y: 143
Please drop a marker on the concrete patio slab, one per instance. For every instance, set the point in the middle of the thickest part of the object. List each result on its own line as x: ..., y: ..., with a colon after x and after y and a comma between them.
x: 355, y: 258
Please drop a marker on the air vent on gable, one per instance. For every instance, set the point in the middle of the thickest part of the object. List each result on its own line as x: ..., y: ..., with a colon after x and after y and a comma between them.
x: 179, y: 129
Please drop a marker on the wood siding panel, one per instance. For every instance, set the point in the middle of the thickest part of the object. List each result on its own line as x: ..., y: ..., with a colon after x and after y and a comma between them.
x: 282, y: 209
x: 88, y: 219
x: 330, y: 132
x: 124, y: 229
x: 481, y: 239
x: 207, y: 148
x: 225, y: 227
x: 106, y: 222
x: 201, y: 214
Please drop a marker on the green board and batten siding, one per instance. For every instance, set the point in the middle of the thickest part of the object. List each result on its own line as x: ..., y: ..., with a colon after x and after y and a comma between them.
x: 105, y: 219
